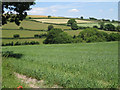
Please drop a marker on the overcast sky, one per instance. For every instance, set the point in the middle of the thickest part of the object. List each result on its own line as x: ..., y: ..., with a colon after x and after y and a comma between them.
x: 107, y: 10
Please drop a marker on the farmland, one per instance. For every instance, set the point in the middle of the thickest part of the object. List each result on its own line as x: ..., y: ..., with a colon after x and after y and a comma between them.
x: 84, y: 65
x: 60, y: 21
x: 30, y: 28
x: 94, y: 24
x: 81, y: 65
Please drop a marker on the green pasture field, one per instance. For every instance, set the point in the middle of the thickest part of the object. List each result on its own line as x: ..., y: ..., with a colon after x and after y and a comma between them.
x: 94, y: 24
x: 22, y: 33
x: 31, y: 25
x: 40, y: 40
x: 83, y: 65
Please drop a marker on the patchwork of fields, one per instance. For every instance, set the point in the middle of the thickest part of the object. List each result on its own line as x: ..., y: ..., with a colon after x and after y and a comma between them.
x: 86, y: 65
x: 60, y: 21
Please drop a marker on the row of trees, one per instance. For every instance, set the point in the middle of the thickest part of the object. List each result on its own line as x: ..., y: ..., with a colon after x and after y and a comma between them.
x: 57, y: 36
x: 109, y: 27
x: 20, y: 43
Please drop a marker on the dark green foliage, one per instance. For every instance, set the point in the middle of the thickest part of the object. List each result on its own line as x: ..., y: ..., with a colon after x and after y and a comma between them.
x: 101, y: 25
x: 62, y: 38
x: 30, y: 18
x: 114, y: 37
x: 106, y: 20
x: 20, y: 43
x: 36, y: 36
x: 21, y: 28
x: 71, y: 21
x: 12, y: 7
x: 40, y: 36
x: 91, y: 18
x: 109, y: 27
x: 82, y: 27
x: 81, y: 17
x: 118, y: 28
x: 49, y: 16
x: 93, y: 35
x: 50, y: 27
x: 56, y: 36
x: 77, y: 40
x: 95, y: 27
x: 16, y: 36
x: 74, y: 26
x: 11, y: 54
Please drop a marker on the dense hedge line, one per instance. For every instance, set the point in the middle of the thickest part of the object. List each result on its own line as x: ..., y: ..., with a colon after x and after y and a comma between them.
x: 57, y: 36
x: 40, y: 36
x: 11, y: 54
x: 20, y: 43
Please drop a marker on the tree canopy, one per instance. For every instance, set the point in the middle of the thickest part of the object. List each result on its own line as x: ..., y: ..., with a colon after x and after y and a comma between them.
x: 15, y: 11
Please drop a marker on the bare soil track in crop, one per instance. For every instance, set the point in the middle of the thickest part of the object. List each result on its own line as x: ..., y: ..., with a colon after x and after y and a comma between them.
x: 32, y: 82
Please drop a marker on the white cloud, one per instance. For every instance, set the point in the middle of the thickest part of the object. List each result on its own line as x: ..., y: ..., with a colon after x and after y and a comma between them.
x: 37, y: 10
x: 111, y: 10
x: 100, y: 10
x: 74, y: 10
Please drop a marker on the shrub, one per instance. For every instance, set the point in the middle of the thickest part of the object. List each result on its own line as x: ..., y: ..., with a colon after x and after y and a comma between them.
x: 70, y: 22
x: 49, y: 16
x: 36, y: 36
x: 74, y: 26
x: 29, y: 17
x: 114, y: 37
x: 21, y: 28
x: 92, y: 35
x: 77, y: 40
x: 16, y: 36
x: 109, y: 27
x: 18, y: 43
x: 118, y: 28
x: 50, y: 27
x: 95, y: 27
x: 56, y: 36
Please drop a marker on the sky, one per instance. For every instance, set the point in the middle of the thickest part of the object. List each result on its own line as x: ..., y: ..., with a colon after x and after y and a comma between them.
x: 106, y: 10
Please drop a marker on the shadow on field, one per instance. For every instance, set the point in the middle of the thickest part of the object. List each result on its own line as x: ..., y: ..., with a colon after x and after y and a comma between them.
x: 9, y: 54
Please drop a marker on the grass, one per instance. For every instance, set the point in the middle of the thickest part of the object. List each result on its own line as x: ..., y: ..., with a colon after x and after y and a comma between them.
x: 85, y: 65
x: 73, y: 32
x: 32, y: 26
x: 94, y: 24
x: 8, y: 78
x: 23, y: 40
x: 22, y: 33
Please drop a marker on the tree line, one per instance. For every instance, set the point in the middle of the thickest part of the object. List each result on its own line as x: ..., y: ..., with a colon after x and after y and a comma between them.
x: 58, y: 36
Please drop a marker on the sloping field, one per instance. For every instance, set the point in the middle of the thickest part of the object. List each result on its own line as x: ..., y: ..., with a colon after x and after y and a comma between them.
x: 85, y: 65
x: 60, y: 21
x: 32, y: 26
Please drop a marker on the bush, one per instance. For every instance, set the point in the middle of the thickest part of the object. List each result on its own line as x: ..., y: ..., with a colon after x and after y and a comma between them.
x: 74, y: 26
x: 49, y: 16
x: 114, y: 37
x: 109, y: 27
x: 21, y: 28
x: 29, y: 17
x: 95, y: 27
x: 56, y: 36
x: 16, y: 36
x: 36, y: 36
x: 118, y: 28
x: 93, y: 35
x: 50, y: 27
x: 81, y: 27
x: 70, y: 22
x: 20, y: 43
